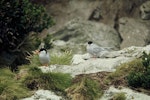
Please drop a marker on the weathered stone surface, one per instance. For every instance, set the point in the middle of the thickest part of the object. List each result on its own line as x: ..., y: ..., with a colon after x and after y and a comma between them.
x: 134, y: 32
x: 106, y: 11
x: 84, y: 64
x: 78, y: 32
x: 44, y: 95
x: 145, y: 10
x: 130, y: 94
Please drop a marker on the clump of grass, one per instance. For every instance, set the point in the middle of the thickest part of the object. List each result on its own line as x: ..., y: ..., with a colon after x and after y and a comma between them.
x: 10, y: 88
x: 62, y: 59
x: 52, y: 81
x: 85, y: 89
x: 119, y: 96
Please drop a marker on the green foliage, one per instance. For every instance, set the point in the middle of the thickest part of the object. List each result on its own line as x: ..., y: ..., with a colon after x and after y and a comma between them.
x: 93, y: 89
x: 56, y: 81
x: 119, y: 96
x: 135, y: 79
x: 62, y: 59
x: 47, y: 41
x: 146, y: 61
x: 2, y: 88
x: 10, y: 88
x: 141, y: 78
x: 18, y: 18
x: 53, y: 81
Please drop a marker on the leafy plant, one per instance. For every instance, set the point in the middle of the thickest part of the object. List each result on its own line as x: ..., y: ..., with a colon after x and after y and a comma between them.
x: 141, y: 78
x: 135, y: 79
x: 48, y: 41
x: 18, y: 18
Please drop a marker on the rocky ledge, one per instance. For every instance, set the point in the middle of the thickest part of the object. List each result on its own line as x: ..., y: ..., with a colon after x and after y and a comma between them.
x: 84, y: 64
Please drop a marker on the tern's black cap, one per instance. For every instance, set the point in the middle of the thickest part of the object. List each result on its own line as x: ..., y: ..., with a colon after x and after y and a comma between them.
x: 90, y: 42
x: 43, y: 49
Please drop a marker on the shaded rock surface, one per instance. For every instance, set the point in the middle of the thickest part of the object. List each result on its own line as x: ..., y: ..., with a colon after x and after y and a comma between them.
x: 145, y: 10
x: 105, y: 11
x: 134, y: 32
x: 78, y: 32
x: 108, y: 12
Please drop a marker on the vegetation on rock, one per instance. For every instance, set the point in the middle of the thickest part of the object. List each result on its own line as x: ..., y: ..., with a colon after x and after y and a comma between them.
x: 119, y: 96
x: 51, y: 81
x: 85, y: 89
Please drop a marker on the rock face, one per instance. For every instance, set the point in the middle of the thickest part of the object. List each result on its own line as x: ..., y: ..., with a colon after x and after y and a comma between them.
x: 133, y: 32
x: 145, y: 10
x: 105, y: 11
x: 78, y: 32
x: 109, y: 12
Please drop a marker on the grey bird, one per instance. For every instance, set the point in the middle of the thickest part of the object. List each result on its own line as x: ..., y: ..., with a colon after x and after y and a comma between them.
x: 44, y: 57
x: 94, y: 49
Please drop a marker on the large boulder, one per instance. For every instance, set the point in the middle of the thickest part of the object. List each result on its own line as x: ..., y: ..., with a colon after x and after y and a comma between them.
x: 78, y: 32
x: 134, y: 32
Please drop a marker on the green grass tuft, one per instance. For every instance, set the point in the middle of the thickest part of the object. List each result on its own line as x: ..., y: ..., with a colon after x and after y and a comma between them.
x: 85, y: 89
x: 62, y: 59
x: 10, y: 87
x: 119, y: 96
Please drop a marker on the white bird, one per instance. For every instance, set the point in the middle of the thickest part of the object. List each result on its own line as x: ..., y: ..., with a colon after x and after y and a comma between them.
x: 94, y: 49
x: 44, y: 57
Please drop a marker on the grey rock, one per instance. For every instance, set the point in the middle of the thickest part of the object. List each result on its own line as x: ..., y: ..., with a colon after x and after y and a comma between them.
x: 44, y: 95
x: 145, y: 10
x: 134, y: 32
x: 78, y: 32
x: 130, y: 94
